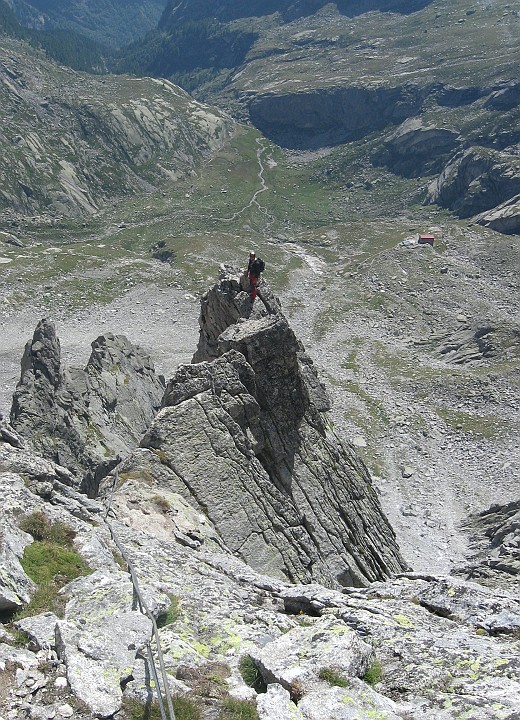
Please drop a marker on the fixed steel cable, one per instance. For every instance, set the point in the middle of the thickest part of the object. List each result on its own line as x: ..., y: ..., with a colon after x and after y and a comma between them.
x: 144, y: 609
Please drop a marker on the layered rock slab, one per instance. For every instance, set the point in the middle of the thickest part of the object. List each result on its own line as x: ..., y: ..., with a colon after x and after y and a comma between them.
x: 244, y: 437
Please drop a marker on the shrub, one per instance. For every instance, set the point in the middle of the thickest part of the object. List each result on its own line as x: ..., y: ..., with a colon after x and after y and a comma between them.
x: 186, y: 709
x: 40, y: 527
x: 36, y: 524
x: 161, y: 503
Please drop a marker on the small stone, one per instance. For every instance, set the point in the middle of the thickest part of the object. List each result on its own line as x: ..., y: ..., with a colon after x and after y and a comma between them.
x: 408, y: 471
x: 60, y: 683
x: 359, y: 441
x: 65, y: 710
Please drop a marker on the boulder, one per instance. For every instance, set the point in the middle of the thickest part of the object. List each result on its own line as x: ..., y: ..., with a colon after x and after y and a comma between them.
x: 434, y: 655
x: 99, y: 639
x: 276, y: 704
x: 41, y: 629
x: 355, y: 702
x: 296, y: 659
x: 85, y: 419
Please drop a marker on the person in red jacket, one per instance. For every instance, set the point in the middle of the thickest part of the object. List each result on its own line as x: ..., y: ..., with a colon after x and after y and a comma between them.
x: 255, y: 267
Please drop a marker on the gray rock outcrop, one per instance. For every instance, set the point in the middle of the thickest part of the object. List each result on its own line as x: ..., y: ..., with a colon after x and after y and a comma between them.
x: 476, y: 180
x: 85, y: 420
x: 99, y: 638
x: 244, y: 436
x: 330, y: 116
x: 504, y: 98
x: 122, y: 136
x: 416, y: 149
x: 16, y: 589
x: 443, y: 647
x: 504, y: 219
x: 495, y: 541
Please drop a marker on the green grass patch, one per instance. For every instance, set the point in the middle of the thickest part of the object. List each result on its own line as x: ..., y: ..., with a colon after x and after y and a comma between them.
x: 172, y: 614
x: 233, y: 709
x: 184, y: 708
x: 333, y: 677
x: 44, y: 561
x: 251, y: 675
x: 50, y: 561
x: 374, y: 674
x: 485, y: 426
x: 20, y: 637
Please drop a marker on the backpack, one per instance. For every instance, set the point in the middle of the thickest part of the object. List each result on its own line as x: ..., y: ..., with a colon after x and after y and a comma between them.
x: 258, y: 266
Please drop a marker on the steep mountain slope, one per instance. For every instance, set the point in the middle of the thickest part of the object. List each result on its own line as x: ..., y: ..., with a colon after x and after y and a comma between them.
x: 67, y: 47
x: 244, y: 435
x: 110, y: 22
x: 419, y: 344
x: 71, y: 142
x: 227, y: 10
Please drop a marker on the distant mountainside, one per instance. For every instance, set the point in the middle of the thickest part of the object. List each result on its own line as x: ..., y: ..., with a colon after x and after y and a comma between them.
x: 226, y: 10
x: 110, y: 22
x: 71, y: 142
x: 65, y: 46
x: 433, y: 84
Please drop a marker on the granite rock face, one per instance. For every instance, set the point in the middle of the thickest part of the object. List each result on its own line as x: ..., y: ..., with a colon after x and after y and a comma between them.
x: 312, y: 119
x: 504, y: 218
x: 85, y: 420
x: 495, y: 536
x: 122, y: 136
x: 244, y: 437
x: 416, y: 149
x: 16, y: 588
x: 477, y: 180
x: 99, y: 638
